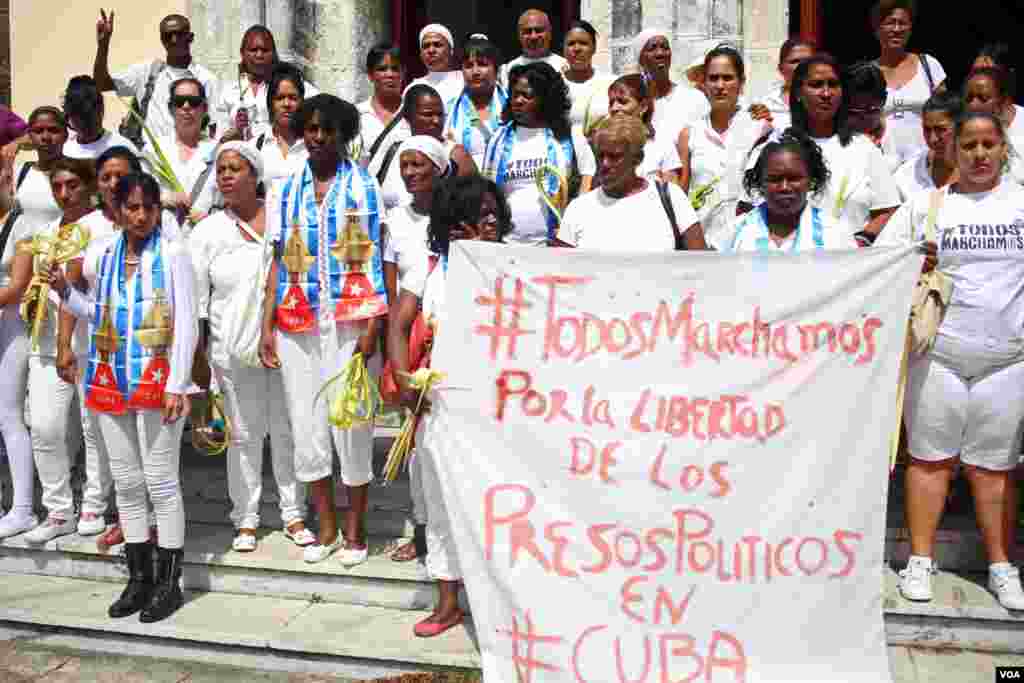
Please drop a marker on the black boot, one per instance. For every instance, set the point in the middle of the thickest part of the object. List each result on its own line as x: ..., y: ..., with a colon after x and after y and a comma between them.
x: 419, y: 538
x: 167, y: 597
x: 137, y: 593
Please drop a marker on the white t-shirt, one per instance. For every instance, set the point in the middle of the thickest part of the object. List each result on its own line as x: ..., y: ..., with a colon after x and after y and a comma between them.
x: 467, y: 132
x: 659, y: 155
x: 132, y: 83
x: 980, y: 239
x: 37, y: 203
x: 223, y: 260
x: 903, y: 109
x: 779, y: 107
x: 557, y: 62
x: 407, y: 239
x: 277, y: 165
x: 188, y: 172
x: 253, y: 97
x: 680, y: 108
x: 816, y: 231
x: 636, y: 224
x: 393, y: 192
x: 862, y: 175
x: 592, y: 94
x: 73, y: 149
x: 1015, y: 134
x: 529, y: 212
x: 448, y: 83
x: 370, y: 128
x: 914, y: 177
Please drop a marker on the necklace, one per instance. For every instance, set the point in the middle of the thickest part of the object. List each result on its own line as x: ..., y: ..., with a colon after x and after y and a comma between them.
x: 131, y: 259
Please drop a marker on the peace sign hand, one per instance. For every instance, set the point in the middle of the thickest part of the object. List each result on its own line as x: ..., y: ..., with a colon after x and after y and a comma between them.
x: 104, y: 27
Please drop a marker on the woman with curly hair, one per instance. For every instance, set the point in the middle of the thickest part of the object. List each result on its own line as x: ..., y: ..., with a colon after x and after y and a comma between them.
x: 476, y: 208
x: 788, y: 173
x: 537, y: 140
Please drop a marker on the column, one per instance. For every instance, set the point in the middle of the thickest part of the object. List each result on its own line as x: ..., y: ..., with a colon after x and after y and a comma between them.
x: 334, y: 36
x: 765, y: 28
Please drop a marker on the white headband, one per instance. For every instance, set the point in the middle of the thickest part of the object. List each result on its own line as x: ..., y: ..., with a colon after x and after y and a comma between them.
x: 440, y: 30
x: 248, y: 152
x: 432, y: 148
x: 642, y: 38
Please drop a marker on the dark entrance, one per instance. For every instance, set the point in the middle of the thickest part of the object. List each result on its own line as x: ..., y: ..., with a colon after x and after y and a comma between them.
x: 952, y: 33
x: 495, y: 18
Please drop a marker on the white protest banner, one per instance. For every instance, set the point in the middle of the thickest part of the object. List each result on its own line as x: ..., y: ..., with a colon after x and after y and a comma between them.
x: 671, y: 468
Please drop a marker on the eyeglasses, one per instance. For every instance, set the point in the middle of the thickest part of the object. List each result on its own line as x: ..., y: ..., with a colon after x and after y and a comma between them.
x: 194, y: 101
x: 867, y: 111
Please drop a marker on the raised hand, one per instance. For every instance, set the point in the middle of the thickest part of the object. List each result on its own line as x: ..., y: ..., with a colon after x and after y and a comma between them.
x: 105, y: 26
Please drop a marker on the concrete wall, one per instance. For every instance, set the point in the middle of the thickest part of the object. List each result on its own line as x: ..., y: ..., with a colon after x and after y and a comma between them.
x: 53, y: 40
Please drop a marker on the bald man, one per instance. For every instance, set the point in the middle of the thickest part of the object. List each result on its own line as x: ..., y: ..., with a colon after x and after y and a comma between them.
x: 535, y: 40
x: 176, y: 37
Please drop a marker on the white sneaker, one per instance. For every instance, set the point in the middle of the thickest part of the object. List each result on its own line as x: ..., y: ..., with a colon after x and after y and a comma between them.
x: 90, y: 524
x: 318, y: 553
x: 350, y: 557
x: 51, y: 529
x: 916, y: 579
x: 1005, y: 583
x: 13, y: 524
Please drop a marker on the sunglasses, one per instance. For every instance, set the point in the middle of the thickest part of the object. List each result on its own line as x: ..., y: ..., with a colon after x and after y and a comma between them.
x: 866, y: 111
x: 194, y: 101
x: 167, y: 36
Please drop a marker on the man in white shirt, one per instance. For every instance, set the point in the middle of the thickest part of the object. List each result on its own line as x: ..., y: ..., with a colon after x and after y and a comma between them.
x: 153, y: 80
x: 535, y: 40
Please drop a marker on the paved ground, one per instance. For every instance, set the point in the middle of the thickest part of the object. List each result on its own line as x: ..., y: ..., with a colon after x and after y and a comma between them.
x: 22, y: 663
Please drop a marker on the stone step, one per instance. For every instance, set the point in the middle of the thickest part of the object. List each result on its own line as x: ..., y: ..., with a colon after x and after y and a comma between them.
x: 293, y: 635
x: 274, y: 569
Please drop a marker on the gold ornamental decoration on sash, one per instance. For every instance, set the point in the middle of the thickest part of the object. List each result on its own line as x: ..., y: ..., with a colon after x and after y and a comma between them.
x: 294, y: 314
x: 69, y: 241
x: 156, y: 334
x: 560, y: 199
x: 354, y: 248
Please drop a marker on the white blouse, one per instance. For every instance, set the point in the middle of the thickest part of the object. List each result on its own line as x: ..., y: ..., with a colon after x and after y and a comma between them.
x: 278, y: 165
x: 860, y: 182
x: 188, y: 171
x: 182, y: 301
x: 370, y: 128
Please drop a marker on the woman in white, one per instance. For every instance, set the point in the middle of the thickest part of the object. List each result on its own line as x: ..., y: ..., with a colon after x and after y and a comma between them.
x: 73, y: 183
x: 424, y: 111
x: 437, y: 49
x: 790, y: 171
x: 227, y: 249
x: 380, y: 120
x: 587, y: 86
x: 536, y: 135
x: 279, y: 144
x: 629, y: 95
x: 244, y: 105
x: 714, y: 150
x: 475, y: 115
x: 189, y: 153
x: 626, y: 213
x: 911, y: 78
x: 15, y: 274
x: 476, y: 208
x: 422, y: 160
x: 325, y: 302
x: 861, y: 194
x: 865, y: 106
x: 935, y: 167
x: 775, y: 100
x: 47, y: 135
x: 965, y: 396
x: 73, y: 346
x: 676, y: 105
x: 141, y: 309
x: 987, y: 90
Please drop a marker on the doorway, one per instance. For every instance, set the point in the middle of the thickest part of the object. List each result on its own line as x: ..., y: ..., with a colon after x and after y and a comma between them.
x: 496, y: 19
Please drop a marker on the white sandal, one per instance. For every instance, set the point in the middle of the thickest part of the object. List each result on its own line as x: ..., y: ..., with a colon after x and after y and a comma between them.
x: 244, y: 543
x: 301, y: 538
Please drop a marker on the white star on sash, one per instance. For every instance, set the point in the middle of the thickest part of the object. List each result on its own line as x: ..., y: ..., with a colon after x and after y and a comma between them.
x: 355, y: 290
x: 158, y: 375
x: 291, y: 302
x: 103, y: 380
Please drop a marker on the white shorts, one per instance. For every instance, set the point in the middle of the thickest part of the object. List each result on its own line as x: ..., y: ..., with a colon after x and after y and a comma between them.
x: 966, y: 399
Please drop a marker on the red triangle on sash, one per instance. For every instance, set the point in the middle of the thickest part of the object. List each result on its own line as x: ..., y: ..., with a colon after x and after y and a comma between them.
x: 294, y: 314
x: 359, y: 300
x: 150, y: 393
x: 103, y: 394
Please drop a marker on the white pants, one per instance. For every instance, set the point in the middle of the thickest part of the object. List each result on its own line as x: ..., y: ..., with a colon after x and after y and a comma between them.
x: 442, y: 561
x: 254, y: 404
x: 419, y: 503
x: 55, y: 431
x: 144, y: 455
x: 306, y: 364
x: 13, y: 379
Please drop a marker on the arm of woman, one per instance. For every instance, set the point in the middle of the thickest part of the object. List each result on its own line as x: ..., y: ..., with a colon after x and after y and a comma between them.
x: 463, y: 161
x: 399, y: 327
x: 683, y: 147
x: 186, y: 333
x: 586, y: 163
x: 67, y: 366
x: 878, y: 221
x: 268, y: 345
x: 21, y: 275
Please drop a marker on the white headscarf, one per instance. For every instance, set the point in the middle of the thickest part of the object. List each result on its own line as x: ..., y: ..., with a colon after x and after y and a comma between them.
x: 641, y: 40
x: 248, y: 152
x: 440, y: 30
x: 432, y: 148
